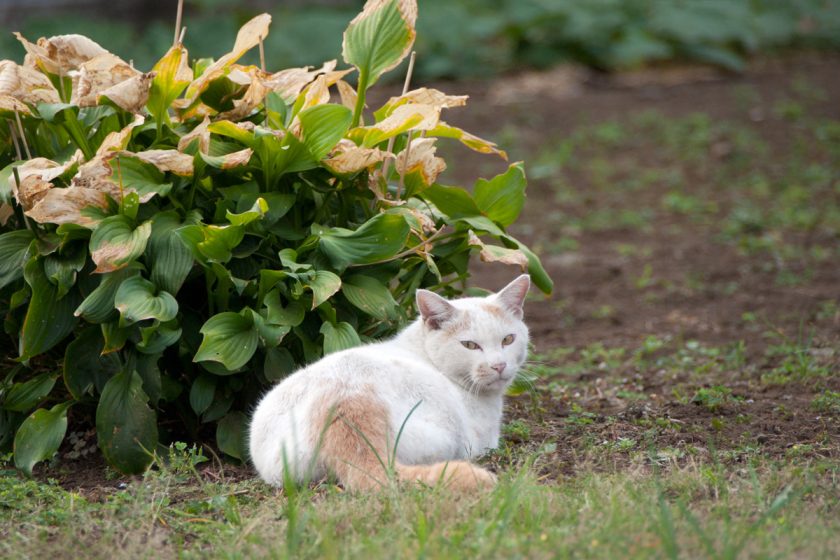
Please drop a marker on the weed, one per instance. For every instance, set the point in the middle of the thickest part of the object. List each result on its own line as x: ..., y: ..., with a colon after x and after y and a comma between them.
x: 827, y: 401
x: 714, y: 398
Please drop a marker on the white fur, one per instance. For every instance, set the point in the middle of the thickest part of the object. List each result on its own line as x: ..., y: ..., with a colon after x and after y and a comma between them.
x: 460, y: 395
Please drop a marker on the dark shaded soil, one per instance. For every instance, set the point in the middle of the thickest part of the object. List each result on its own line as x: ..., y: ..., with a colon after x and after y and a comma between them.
x: 597, y: 298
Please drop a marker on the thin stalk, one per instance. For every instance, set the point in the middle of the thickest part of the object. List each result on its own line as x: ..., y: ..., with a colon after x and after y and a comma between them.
x: 178, y: 17
x: 22, y: 136
x: 181, y: 36
x: 13, y: 132
x: 387, y: 163
x: 20, y: 214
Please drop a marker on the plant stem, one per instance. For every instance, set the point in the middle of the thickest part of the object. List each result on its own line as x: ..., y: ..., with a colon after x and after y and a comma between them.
x: 178, y: 17
x: 22, y: 136
x: 360, y: 98
x: 387, y: 163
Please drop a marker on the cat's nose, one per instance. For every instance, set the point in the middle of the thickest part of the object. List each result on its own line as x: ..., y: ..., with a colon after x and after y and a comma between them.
x: 499, y: 368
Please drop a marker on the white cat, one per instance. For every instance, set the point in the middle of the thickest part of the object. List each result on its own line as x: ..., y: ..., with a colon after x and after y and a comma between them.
x: 441, y: 380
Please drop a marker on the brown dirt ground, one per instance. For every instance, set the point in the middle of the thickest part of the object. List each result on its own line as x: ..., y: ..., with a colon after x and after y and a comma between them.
x: 539, y: 107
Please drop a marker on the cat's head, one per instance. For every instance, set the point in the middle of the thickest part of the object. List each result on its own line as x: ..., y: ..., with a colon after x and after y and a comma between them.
x: 478, y: 342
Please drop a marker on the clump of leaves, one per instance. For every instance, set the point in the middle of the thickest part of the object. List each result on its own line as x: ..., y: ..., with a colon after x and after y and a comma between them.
x: 188, y: 235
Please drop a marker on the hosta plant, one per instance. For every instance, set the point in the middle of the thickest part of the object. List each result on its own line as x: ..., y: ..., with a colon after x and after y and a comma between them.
x: 173, y: 241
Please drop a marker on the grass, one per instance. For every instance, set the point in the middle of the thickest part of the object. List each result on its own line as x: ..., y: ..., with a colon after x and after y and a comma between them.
x: 692, y: 511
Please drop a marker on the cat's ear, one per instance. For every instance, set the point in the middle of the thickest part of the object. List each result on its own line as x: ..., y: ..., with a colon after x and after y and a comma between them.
x: 434, y: 309
x: 512, y: 296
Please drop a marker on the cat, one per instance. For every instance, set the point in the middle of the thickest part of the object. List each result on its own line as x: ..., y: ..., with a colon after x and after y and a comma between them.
x: 441, y: 381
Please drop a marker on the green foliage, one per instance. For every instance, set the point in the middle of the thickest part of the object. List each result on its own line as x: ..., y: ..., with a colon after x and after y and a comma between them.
x: 183, y: 252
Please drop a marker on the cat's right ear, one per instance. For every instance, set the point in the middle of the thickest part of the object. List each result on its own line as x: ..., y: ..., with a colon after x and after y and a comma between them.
x: 434, y: 309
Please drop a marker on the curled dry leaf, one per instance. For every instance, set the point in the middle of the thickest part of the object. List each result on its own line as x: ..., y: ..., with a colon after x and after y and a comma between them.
x: 420, y: 158
x: 64, y: 206
x: 236, y: 159
x: 98, y: 74
x: 254, y: 96
x: 290, y: 82
x: 9, y: 104
x: 494, y: 253
x: 130, y: 95
x: 425, y: 96
x: 166, y: 160
x: 118, y: 140
x: 6, y: 212
x: 348, y: 94
x: 248, y: 37
x: 26, y: 84
x: 95, y: 175
x: 317, y: 93
x: 62, y: 53
x: 349, y: 158
x: 35, y: 178
x: 200, y: 132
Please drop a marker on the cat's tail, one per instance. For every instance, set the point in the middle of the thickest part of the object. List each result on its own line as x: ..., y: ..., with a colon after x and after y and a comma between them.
x: 353, y: 444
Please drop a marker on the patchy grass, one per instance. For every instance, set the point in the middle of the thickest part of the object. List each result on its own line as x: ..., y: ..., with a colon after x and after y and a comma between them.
x: 692, y: 511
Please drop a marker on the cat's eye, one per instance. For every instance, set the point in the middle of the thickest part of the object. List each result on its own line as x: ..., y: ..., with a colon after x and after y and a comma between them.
x: 470, y: 344
x: 508, y: 340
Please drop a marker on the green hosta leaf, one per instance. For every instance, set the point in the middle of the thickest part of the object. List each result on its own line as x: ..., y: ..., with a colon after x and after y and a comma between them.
x: 455, y: 202
x: 86, y: 369
x: 171, y: 260
x: 61, y: 269
x: 40, y: 436
x: 229, y: 129
x: 212, y: 243
x: 48, y: 319
x: 13, y: 254
x: 23, y: 397
x: 270, y: 335
x: 257, y: 211
x: 339, y: 337
x: 144, y: 178
x: 202, y: 393
x: 138, y: 299
x: 323, y: 126
x: 125, y: 425
x: 229, y: 338
x: 114, y: 335
x: 116, y: 242
x: 378, y: 239
x: 292, y: 315
x: 380, y: 37
x: 157, y: 337
x: 370, y: 295
x: 172, y: 76
x: 501, y: 198
x: 278, y: 364
x: 230, y: 435
x: 323, y: 284
x: 98, y: 307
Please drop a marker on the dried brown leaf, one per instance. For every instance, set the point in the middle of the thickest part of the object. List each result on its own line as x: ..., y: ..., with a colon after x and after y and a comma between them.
x: 26, y: 84
x: 118, y: 140
x: 254, y: 96
x: 9, y: 104
x: 353, y: 159
x: 348, y: 94
x: 248, y: 37
x: 97, y: 75
x: 201, y: 133
x: 427, y: 96
x: 64, y: 206
x: 166, y: 160
x: 494, y: 253
x: 289, y: 83
x: 130, y: 95
x: 36, y: 177
x: 420, y: 158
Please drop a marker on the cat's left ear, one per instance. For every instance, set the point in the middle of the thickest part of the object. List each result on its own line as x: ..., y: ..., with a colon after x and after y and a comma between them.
x: 512, y: 296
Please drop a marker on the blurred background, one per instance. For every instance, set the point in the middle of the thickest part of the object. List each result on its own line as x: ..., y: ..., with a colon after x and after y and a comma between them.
x: 466, y: 38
